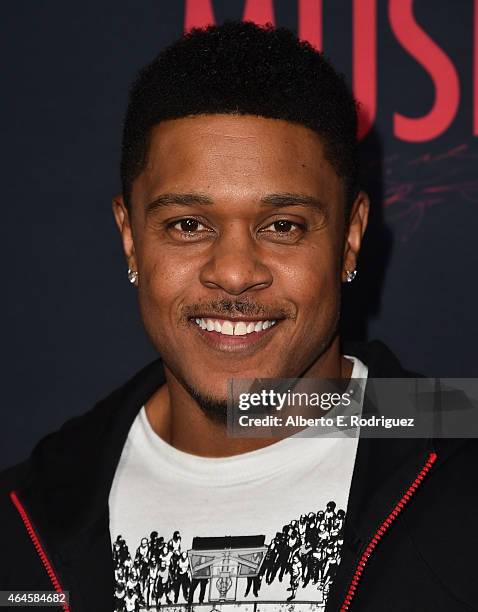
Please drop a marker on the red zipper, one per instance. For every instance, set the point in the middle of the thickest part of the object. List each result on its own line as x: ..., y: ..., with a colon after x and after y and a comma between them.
x: 38, y: 547
x: 382, y: 530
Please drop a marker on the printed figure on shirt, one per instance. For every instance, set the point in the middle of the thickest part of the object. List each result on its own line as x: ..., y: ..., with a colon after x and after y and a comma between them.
x: 304, y: 553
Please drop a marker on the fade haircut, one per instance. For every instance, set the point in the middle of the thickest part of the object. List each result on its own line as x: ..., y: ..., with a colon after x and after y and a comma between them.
x: 242, y: 68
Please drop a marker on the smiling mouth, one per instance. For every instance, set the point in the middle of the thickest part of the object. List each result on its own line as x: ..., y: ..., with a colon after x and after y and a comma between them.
x: 232, y: 335
x: 228, y: 327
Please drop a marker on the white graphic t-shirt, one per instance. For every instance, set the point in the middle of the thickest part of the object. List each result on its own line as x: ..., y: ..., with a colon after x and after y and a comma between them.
x: 254, y: 531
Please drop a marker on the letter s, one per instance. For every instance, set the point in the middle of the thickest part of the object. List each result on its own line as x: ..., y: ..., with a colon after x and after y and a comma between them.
x: 440, y: 68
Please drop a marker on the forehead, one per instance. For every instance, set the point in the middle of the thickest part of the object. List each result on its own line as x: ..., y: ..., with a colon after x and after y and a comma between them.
x: 235, y: 154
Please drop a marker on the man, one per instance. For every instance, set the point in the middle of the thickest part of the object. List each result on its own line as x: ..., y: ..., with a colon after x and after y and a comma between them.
x: 240, y: 218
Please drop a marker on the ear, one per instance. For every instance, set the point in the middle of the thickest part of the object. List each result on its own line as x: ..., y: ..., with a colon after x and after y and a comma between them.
x: 122, y: 218
x: 357, y: 224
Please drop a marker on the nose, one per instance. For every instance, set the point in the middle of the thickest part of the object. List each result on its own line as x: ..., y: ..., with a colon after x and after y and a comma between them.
x: 234, y: 264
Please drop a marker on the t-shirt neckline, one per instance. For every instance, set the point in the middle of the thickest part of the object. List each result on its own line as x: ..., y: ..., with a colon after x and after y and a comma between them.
x: 251, y: 465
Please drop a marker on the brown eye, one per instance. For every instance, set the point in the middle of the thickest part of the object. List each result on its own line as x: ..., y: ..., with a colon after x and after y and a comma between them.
x: 283, y: 225
x: 189, y: 229
x: 188, y: 225
x: 284, y: 230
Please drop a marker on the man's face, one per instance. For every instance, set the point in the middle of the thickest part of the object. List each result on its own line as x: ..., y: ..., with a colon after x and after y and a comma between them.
x: 237, y: 226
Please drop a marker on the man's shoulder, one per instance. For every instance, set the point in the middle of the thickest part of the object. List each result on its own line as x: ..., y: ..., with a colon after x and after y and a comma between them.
x: 380, y: 360
x: 58, y: 444
x: 81, y: 439
x: 12, y: 476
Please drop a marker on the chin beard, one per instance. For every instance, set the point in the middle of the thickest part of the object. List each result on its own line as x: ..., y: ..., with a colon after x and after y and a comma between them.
x: 214, y: 409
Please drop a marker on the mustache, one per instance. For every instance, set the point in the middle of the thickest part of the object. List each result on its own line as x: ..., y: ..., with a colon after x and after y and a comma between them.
x: 244, y: 306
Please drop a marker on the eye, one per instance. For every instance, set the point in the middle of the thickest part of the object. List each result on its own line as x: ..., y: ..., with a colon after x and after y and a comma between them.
x: 284, y: 228
x: 188, y: 225
x: 188, y: 229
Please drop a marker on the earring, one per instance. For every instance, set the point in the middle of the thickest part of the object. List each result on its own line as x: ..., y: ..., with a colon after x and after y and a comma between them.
x: 351, y: 274
x: 133, y: 277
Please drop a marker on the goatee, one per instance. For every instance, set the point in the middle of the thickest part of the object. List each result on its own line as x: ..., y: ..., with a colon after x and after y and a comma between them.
x: 214, y: 409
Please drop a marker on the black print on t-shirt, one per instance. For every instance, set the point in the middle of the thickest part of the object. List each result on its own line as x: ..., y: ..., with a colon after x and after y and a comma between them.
x: 229, y: 569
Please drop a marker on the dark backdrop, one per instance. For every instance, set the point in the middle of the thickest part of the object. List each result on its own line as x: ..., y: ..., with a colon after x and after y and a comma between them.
x: 71, y: 327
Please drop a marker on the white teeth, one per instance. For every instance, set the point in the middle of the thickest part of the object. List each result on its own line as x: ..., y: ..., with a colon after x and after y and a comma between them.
x: 240, y: 329
x: 229, y: 328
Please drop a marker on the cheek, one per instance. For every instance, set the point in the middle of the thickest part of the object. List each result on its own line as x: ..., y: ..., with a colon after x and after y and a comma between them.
x: 312, y: 279
x: 165, y: 281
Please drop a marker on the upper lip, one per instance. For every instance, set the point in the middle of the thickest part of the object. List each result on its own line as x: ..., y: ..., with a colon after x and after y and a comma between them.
x: 233, y: 318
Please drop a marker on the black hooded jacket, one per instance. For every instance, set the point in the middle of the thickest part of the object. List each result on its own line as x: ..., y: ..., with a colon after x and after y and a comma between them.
x: 411, y: 534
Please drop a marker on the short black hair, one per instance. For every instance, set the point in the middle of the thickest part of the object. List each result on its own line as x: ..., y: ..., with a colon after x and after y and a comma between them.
x: 242, y: 68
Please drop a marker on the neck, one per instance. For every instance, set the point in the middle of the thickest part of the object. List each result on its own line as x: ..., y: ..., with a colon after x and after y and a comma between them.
x: 177, y: 419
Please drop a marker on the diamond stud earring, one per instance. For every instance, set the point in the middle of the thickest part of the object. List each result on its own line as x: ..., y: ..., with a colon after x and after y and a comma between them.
x: 351, y: 274
x: 133, y: 276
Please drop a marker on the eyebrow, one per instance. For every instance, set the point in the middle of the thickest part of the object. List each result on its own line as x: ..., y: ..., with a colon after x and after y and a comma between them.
x: 279, y: 200
x: 276, y: 200
x: 177, y: 199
